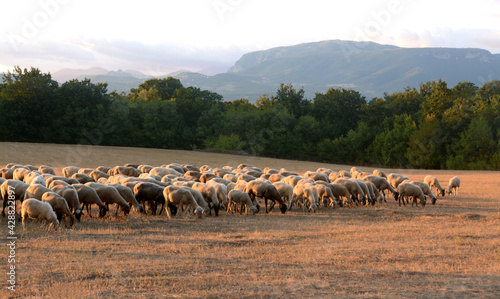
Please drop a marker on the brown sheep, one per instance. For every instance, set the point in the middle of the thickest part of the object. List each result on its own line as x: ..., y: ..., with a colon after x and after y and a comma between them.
x: 109, y: 195
x: 179, y: 197
x: 59, y: 205
x: 260, y: 189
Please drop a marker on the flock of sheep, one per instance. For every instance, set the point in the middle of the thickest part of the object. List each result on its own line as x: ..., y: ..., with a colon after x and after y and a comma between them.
x: 185, y: 190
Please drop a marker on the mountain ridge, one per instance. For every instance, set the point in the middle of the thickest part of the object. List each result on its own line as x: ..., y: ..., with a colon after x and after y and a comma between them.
x: 368, y: 67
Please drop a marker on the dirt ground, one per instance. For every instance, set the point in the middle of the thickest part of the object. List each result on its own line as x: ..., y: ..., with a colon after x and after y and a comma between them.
x: 451, y: 249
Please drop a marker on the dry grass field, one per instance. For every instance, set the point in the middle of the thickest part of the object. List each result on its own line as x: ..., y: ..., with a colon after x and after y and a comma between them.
x: 447, y: 250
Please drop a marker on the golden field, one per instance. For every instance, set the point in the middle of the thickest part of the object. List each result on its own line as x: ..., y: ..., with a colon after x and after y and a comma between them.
x: 451, y: 249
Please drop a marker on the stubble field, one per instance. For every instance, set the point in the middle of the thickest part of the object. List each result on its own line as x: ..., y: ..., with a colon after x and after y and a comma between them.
x: 451, y: 249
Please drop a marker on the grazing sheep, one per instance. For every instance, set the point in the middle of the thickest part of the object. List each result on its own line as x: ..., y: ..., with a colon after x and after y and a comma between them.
x: 379, y: 173
x: 395, y: 179
x: 354, y: 170
x: 19, y: 173
x: 104, y: 169
x: 355, y: 190
x: 150, y: 176
x: 46, y: 169
x: 59, y: 205
x: 287, y: 173
x: 36, y: 191
x: 374, y: 191
x: 145, y: 168
x: 407, y: 189
x: 69, y: 193
x: 36, y: 180
x: 240, y: 197
x: 425, y: 188
x: 129, y: 196
x: 88, y: 196
x: 162, y: 171
x: 292, y: 180
x: 179, y: 197
x: 220, y: 172
x: 366, y: 191
x: 97, y: 174
x: 31, y: 176
x: 434, y: 182
x: 220, y: 190
x: 69, y: 171
x: 268, y: 170
x: 211, y: 196
x: 199, y: 199
x: 326, y: 195
x: 326, y: 171
x: 317, y: 176
x: 9, y: 186
x: 151, y: 193
x: 259, y: 189
x: 128, y: 171
x: 345, y: 174
x: 82, y: 178
x: 86, y: 171
x: 51, y: 178
x: 333, y: 176
x: 35, y: 209
x: 109, y: 195
x: 382, y: 184
x: 454, y: 184
x: 7, y: 173
x: 285, y: 190
x: 205, y: 168
x: 304, y: 196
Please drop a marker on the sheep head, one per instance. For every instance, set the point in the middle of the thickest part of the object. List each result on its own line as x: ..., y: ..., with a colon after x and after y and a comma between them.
x: 78, y: 214
x: 283, y: 208
x: 396, y: 195
x: 198, y: 212
x: 433, y: 200
x: 140, y: 209
x: 253, y: 210
x: 442, y: 193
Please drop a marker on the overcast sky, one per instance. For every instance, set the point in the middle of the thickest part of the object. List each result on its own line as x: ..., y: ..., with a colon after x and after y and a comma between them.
x: 159, y: 37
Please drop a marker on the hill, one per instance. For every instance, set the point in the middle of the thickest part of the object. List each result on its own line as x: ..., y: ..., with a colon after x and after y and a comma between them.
x: 367, y: 67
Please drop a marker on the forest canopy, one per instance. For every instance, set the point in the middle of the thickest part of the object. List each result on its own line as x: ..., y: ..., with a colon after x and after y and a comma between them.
x: 432, y: 126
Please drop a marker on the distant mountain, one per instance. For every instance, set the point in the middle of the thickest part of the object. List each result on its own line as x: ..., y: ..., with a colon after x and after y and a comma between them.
x: 67, y: 74
x: 367, y: 67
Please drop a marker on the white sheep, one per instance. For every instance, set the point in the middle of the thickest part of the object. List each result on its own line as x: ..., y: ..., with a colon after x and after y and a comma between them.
x: 425, y: 188
x: 240, y: 197
x: 379, y: 173
x: 407, y: 190
x: 454, y: 184
x: 395, y: 179
x: 36, y: 209
x: 434, y: 182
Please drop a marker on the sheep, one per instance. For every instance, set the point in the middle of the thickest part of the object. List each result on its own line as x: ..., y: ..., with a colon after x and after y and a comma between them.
x: 285, y: 190
x: 144, y: 168
x: 82, y: 178
x: 292, y: 180
x: 36, y: 191
x: 220, y: 190
x: 31, y: 176
x: 179, y: 197
x: 434, y: 182
x: 86, y: 171
x: 7, y: 173
x: 50, y: 179
x: 326, y: 171
x: 240, y: 197
x: 425, y: 188
x: 128, y: 171
x: 133, y: 165
x: 267, y: 191
x: 205, y: 168
x: 395, y: 179
x: 333, y: 176
x: 199, y: 199
x: 59, y: 205
x: 129, y: 196
x: 162, y: 171
x: 345, y: 174
x: 46, y: 169
x: 36, y: 180
x: 191, y: 167
x: 303, y: 195
x: 382, y: 184
x: 268, y: 170
x: 317, y: 176
x: 104, y: 169
x: 69, y: 171
x: 9, y: 186
x: 19, y: 173
x: 287, y: 173
x: 326, y: 195
x: 379, y: 173
x: 35, y: 209
x: 374, y: 191
x: 69, y: 193
x: 454, y: 183
x: 88, y: 196
x: 97, y: 174
x: 220, y: 172
x: 355, y: 190
x: 354, y: 170
x: 109, y: 195
x: 407, y: 189
x: 152, y: 193
x: 211, y: 195
x: 245, y: 177
x: 363, y: 186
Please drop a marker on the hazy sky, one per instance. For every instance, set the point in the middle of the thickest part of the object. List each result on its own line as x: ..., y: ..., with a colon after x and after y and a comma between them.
x: 159, y: 37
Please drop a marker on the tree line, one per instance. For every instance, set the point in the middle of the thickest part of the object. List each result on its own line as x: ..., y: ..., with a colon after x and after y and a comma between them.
x: 433, y: 126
